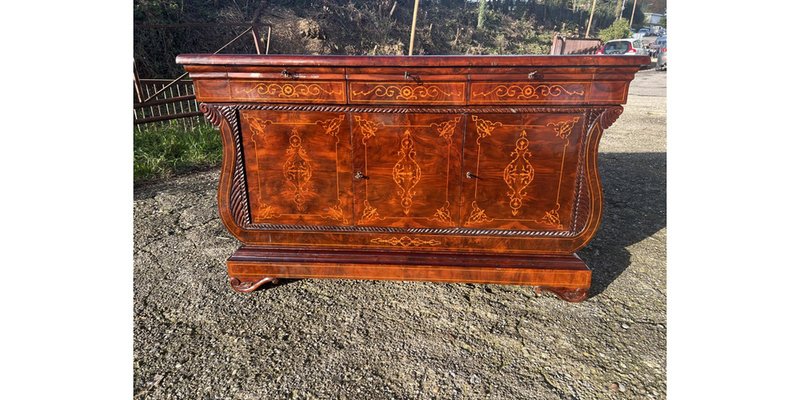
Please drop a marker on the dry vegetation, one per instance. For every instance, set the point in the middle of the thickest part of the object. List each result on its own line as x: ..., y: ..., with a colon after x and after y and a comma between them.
x: 357, y: 27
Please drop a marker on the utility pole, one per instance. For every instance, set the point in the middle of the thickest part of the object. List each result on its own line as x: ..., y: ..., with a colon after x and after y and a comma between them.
x: 413, y: 28
x: 632, y: 11
x: 591, y: 15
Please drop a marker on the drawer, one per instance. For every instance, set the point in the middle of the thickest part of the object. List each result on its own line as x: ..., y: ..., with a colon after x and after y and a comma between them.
x: 270, y: 91
x: 288, y: 91
x: 395, y: 85
x: 405, y: 92
x: 272, y: 85
x: 528, y: 92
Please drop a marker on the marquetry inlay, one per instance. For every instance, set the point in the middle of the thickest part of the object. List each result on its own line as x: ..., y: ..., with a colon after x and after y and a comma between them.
x: 405, y: 92
x: 477, y: 216
x: 336, y: 213
x: 484, y: 127
x: 266, y: 212
x: 551, y: 217
x: 411, y: 168
x: 370, y: 214
x: 446, y: 129
x: 406, y: 172
x: 526, y: 92
x: 290, y: 90
x: 368, y: 128
x: 518, y: 173
x: 406, y: 241
x: 331, y: 126
x: 297, y: 170
x: 564, y: 128
x: 442, y: 214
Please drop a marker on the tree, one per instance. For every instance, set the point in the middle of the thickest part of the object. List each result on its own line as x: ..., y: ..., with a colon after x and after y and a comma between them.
x: 617, y: 30
x: 618, y: 9
x: 481, y: 13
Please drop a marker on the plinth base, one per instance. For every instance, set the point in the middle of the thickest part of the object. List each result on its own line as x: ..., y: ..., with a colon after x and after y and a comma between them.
x: 566, y: 276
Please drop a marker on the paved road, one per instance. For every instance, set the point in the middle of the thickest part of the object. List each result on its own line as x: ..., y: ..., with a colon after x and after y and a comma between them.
x: 195, y: 338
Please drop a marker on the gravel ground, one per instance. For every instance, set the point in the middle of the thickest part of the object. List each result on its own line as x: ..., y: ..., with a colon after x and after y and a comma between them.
x: 195, y: 338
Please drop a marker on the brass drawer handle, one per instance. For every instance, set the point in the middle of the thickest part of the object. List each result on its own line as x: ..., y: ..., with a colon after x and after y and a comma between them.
x: 532, y: 74
x: 359, y: 175
x: 286, y: 74
x: 470, y: 175
x: 409, y: 77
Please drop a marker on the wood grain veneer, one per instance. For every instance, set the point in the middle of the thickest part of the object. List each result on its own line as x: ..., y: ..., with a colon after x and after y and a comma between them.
x: 437, y: 168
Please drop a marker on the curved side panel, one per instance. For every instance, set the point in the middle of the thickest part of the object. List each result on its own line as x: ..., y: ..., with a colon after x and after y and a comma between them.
x: 591, y: 207
x: 232, y: 208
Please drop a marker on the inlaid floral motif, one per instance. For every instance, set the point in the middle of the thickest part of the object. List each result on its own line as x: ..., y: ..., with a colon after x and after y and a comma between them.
x: 405, y: 92
x: 406, y: 172
x: 484, y: 127
x: 527, y: 92
x: 406, y: 241
x: 551, y: 218
x: 518, y: 174
x: 331, y: 126
x: 368, y: 128
x: 477, y: 216
x: 442, y: 214
x: 290, y: 90
x: 564, y: 128
x: 336, y: 213
x: 446, y: 129
x: 297, y: 170
x: 369, y: 214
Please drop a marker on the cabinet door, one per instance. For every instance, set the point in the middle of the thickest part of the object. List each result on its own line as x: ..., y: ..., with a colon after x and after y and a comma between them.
x: 410, y: 166
x: 523, y: 170
x: 298, y: 167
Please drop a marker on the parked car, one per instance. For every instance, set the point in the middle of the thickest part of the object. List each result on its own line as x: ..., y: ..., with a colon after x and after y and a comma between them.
x: 658, y: 30
x: 632, y: 47
x: 658, y: 44
x: 661, y: 63
x: 644, y: 31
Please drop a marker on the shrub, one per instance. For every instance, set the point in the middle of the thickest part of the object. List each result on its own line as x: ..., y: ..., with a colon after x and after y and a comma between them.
x: 617, y: 30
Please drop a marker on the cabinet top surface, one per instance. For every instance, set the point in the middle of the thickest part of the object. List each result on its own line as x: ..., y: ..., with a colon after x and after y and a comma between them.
x: 413, y: 61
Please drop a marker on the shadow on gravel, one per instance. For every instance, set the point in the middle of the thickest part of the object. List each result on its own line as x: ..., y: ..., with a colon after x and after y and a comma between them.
x: 634, y: 208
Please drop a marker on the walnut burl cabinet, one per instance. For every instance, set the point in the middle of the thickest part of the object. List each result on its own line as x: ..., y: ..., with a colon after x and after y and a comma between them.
x: 436, y: 168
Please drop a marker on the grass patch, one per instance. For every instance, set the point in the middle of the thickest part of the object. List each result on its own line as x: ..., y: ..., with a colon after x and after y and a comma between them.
x: 163, y: 151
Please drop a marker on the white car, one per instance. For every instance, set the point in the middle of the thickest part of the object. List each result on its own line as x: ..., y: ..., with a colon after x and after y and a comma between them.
x: 633, y: 47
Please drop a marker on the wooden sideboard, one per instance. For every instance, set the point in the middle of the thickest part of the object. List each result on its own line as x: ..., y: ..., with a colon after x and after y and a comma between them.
x: 438, y: 168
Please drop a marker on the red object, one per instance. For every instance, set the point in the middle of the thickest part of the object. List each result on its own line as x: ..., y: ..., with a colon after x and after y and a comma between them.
x: 631, y: 50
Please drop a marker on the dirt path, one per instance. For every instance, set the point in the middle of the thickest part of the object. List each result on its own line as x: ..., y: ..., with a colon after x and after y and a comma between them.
x: 195, y: 338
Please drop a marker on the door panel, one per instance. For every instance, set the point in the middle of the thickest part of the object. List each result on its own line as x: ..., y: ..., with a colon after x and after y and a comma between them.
x: 523, y: 170
x: 298, y: 167
x: 410, y: 164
